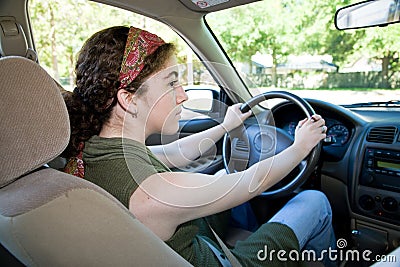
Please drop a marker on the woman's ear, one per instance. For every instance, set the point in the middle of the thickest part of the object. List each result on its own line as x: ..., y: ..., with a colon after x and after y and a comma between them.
x: 127, y: 100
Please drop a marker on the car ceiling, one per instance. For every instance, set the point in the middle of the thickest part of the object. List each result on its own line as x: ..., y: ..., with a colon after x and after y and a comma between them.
x: 186, y: 8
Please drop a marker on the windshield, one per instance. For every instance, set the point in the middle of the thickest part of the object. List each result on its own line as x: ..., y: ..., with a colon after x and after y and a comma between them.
x: 293, y: 45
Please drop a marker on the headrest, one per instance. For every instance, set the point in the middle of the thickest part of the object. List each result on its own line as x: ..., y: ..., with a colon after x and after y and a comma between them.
x: 34, y: 122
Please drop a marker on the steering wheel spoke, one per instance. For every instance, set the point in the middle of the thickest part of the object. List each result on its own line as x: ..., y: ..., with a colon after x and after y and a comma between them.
x: 239, y: 149
x: 265, y: 117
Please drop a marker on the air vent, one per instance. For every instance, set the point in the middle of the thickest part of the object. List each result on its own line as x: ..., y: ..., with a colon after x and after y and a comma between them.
x: 384, y: 134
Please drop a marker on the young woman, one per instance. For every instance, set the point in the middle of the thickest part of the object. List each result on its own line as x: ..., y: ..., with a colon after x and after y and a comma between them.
x: 127, y: 88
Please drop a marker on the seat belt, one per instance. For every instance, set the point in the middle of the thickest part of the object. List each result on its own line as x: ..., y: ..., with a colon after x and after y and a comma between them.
x: 232, y: 261
x: 221, y: 257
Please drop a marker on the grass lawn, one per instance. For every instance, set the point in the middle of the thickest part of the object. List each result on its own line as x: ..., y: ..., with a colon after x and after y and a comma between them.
x: 339, y: 95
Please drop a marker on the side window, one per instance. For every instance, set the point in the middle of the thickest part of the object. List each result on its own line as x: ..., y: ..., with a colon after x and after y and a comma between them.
x: 61, y: 27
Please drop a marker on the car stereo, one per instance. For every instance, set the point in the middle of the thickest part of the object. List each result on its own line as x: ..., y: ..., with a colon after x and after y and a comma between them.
x: 381, y: 169
x: 379, y: 185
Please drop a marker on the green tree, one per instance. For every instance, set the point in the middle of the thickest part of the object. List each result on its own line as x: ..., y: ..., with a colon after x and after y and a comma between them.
x: 316, y: 32
x: 321, y: 37
x: 43, y: 16
x: 263, y: 27
x: 285, y: 26
x: 382, y: 44
x: 61, y: 27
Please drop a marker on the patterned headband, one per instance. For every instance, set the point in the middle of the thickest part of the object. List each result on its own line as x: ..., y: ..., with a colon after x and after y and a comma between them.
x: 139, y: 45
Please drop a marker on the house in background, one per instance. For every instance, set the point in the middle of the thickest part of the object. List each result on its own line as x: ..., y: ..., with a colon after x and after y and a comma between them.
x: 363, y: 64
x: 263, y: 63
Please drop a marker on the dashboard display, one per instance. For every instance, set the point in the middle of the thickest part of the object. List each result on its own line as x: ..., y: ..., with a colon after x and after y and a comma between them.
x: 339, y: 133
x: 388, y: 165
x: 292, y: 128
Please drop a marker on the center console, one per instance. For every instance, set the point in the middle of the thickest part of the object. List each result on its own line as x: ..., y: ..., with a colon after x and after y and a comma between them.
x: 378, y: 194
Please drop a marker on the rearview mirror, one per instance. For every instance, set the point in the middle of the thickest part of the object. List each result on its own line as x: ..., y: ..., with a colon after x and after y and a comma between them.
x: 368, y: 14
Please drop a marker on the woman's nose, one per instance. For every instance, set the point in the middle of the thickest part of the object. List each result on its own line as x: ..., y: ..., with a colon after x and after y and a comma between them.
x: 181, y: 95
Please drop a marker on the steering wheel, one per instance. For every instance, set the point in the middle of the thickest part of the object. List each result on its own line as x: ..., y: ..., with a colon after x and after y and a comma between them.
x: 245, y: 146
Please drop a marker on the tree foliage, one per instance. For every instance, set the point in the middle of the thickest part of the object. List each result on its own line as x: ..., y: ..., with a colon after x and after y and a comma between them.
x: 316, y: 33
x: 254, y: 29
x: 382, y: 44
x: 61, y: 27
x: 274, y: 27
x: 262, y: 27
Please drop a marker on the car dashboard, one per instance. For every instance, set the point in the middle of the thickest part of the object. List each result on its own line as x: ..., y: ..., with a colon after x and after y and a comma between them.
x: 360, y: 167
x: 340, y: 126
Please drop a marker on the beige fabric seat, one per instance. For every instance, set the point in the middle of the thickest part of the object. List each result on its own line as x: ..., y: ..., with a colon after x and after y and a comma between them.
x: 49, y: 218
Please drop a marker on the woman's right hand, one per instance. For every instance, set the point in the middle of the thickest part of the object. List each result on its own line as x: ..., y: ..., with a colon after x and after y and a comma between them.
x: 309, y: 132
x: 234, y: 117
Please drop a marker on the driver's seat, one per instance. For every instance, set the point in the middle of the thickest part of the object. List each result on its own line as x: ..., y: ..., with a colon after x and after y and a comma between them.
x: 49, y: 218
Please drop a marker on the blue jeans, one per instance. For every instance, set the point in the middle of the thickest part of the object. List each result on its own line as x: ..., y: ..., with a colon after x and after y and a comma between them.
x: 309, y: 215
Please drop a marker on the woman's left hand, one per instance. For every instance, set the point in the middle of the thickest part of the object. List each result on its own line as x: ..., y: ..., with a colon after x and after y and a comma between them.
x: 234, y: 117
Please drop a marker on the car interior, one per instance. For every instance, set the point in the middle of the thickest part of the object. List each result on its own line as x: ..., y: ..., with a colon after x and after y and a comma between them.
x: 50, y: 218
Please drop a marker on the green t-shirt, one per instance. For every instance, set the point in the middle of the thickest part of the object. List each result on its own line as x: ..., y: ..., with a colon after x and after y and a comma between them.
x: 119, y: 165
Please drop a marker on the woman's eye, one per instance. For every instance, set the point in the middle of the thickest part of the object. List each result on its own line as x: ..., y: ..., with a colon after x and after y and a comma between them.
x: 173, y: 83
